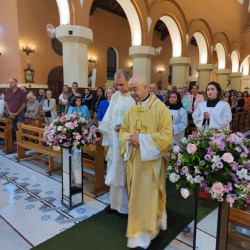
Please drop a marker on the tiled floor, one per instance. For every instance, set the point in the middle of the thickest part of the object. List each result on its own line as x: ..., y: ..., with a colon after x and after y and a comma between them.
x: 31, y: 210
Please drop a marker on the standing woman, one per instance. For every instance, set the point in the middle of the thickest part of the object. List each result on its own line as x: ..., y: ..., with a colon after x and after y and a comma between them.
x: 213, y: 113
x: 49, y: 108
x: 247, y: 100
x: 96, y: 103
x: 179, y: 116
x: 104, y: 104
x: 63, y: 99
x: 241, y: 103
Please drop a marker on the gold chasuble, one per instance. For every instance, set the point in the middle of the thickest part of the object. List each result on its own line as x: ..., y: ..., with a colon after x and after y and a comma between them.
x: 146, y: 169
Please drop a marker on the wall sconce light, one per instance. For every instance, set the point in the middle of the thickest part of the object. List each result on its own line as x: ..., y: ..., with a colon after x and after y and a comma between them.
x: 92, y: 59
x: 28, y: 49
x: 160, y: 70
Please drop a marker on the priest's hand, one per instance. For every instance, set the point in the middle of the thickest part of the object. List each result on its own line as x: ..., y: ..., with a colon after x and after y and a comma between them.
x: 118, y: 127
x: 206, y: 115
x: 134, y: 140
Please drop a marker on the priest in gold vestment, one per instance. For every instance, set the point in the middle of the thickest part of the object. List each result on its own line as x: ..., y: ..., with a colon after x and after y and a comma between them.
x: 146, y: 136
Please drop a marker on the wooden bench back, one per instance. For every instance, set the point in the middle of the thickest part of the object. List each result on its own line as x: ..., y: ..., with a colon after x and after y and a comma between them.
x: 31, y: 137
x: 6, y: 134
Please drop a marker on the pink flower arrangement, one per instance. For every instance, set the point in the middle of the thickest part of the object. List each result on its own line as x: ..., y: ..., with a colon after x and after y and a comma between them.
x: 70, y: 132
x: 216, y: 161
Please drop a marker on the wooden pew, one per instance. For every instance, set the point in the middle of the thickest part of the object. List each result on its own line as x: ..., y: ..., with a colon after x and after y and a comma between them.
x: 239, y: 218
x: 35, y: 121
x: 6, y: 134
x: 30, y: 137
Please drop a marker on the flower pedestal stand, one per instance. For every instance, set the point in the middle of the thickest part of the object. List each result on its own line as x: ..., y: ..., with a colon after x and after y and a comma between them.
x: 72, y: 178
x: 222, y: 225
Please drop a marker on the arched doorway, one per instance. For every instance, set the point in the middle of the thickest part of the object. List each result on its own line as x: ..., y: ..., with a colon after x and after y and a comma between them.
x: 55, y: 81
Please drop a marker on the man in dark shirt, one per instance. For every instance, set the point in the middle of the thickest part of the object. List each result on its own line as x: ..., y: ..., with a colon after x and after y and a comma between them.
x: 15, y: 102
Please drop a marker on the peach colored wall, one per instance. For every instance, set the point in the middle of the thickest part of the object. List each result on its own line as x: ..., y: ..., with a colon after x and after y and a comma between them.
x: 33, y: 16
x: 162, y: 60
x: 9, y: 60
x: 107, y: 33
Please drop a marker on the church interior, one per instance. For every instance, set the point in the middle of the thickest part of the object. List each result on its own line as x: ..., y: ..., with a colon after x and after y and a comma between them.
x: 46, y: 44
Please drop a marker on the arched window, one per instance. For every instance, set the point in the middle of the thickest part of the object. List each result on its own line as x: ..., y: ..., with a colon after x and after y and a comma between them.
x: 111, y: 63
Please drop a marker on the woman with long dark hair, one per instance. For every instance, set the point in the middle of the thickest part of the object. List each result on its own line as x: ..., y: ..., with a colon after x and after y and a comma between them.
x: 213, y: 113
x: 179, y: 116
x: 100, y: 96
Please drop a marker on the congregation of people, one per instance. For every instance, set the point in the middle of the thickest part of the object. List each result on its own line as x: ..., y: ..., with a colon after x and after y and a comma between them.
x: 139, y: 125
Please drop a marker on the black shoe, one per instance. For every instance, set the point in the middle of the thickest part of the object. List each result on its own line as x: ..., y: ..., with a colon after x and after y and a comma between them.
x: 109, y: 210
x: 75, y: 190
x: 125, y: 216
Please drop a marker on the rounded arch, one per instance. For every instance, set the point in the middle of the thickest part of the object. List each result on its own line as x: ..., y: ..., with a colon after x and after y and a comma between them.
x: 235, y: 61
x: 64, y: 11
x: 221, y: 38
x: 200, y: 29
x: 244, y: 67
x: 127, y: 6
x: 112, y: 62
x: 173, y: 17
x: 221, y: 55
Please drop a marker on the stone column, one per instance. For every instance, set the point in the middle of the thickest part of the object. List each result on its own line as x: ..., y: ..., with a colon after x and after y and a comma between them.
x: 142, y: 60
x: 235, y: 79
x: 75, y: 40
x: 245, y: 83
x: 222, y: 77
x: 179, y: 70
x: 204, y: 75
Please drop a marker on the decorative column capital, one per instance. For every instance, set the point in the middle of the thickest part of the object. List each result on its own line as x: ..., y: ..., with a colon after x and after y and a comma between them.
x: 141, y: 51
x: 222, y: 71
x: 205, y: 67
x: 246, y: 77
x: 74, y: 33
x: 181, y: 61
x: 235, y: 75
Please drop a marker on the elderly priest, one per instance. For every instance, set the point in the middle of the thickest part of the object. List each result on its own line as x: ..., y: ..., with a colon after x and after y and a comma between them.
x: 146, y: 136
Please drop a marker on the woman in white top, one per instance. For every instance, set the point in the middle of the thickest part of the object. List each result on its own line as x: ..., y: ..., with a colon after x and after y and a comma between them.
x: 179, y: 116
x: 213, y: 113
x: 49, y: 108
x: 63, y: 99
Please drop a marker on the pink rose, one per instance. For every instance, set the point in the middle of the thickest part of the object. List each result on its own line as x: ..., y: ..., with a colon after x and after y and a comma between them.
x: 56, y: 148
x: 176, y: 149
x: 60, y: 128
x: 191, y: 148
x: 217, y: 188
x: 231, y: 198
x: 227, y: 157
x: 184, y: 193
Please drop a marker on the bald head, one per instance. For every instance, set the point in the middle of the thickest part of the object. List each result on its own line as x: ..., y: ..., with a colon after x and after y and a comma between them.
x: 138, y: 87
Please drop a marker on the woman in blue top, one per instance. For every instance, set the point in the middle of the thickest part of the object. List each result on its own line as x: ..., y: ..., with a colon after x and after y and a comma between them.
x: 78, y: 108
x: 104, y: 104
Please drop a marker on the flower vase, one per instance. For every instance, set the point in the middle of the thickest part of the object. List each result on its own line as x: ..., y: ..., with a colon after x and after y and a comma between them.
x: 222, y: 225
x: 72, y: 178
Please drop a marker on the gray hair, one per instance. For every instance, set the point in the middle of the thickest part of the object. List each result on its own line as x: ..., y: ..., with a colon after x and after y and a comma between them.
x: 122, y: 72
x: 30, y: 95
